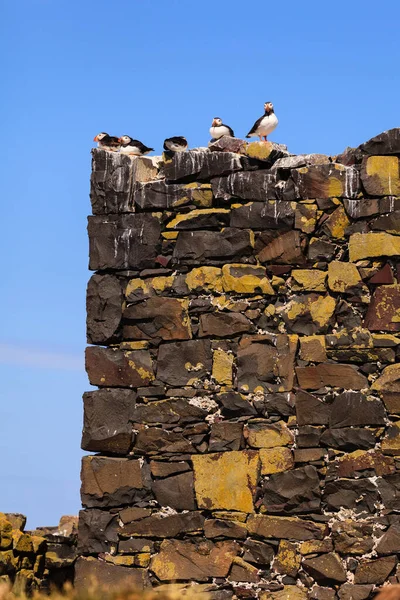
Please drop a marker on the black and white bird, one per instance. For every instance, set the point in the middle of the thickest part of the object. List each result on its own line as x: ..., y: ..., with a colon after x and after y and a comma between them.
x: 107, y: 142
x: 133, y: 147
x: 175, y: 144
x: 218, y: 129
x: 265, y: 124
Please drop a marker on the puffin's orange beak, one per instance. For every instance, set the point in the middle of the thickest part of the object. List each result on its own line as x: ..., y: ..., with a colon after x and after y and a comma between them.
x: 213, y: 123
x: 95, y: 139
x: 119, y: 140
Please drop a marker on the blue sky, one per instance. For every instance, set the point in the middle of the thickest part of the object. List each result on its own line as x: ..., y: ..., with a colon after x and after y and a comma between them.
x: 150, y: 70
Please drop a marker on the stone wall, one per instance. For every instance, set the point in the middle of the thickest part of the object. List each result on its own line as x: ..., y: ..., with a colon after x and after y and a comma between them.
x: 243, y: 326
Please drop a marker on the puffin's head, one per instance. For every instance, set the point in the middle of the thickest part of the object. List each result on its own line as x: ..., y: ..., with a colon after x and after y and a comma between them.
x: 269, y: 107
x: 217, y: 122
x: 100, y: 136
x: 125, y: 140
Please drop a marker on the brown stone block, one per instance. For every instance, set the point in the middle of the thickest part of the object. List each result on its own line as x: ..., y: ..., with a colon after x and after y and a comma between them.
x: 257, y: 367
x: 336, y: 224
x: 158, y: 441
x: 352, y: 537
x: 375, y: 571
x: 361, y: 460
x: 353, y: 408
x: 387, y: 142
x: 289, y: 528
x: 158, y: 194
x: 219, y: 245
x: 128, y: 241
x: 110, y: 182
x: 335, y: 375
x: 183, y: 363
x: 384, y: 310
x: 199, y: 560
x: 112, y: 481
x: 226, y: 480
x: 268, y: 435
x: 166, y: 412
x: 91, y: 571
x: 287, y: 561
x: 220, y: 324
x: 288, y: 592
x: 225, y: 436
x: 287, y: 248
x: 313, y: 348
x: 110, y: 367
x: 106, y: 420
x: 214, y: 528
x: 104, y: 309
x: 326, y: 181
x: 389, y: 381
x: 158, y: 526
x: 294, y: 491
x: 361, y: 495
x: 165, y: 318
x: 309, y: 313
x: 177, y: 491
x: 325, y: 568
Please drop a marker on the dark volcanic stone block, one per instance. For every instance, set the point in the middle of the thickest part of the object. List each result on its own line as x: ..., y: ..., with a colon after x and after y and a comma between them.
x: 235, y: 405
x: 310, y: 410
x: 256, y: 367
x: 359, y: 495
x: 200, y: 245
x: 97, y: 531
x: 104, y: 309
x: 348, y: 438
x: 353, y: 408
x: 389, y: 488
x: 383, y: 310
x: 162, y: 527
x: 174, y: 411
x: 106, y: 421
x: 158, y: 441
x: 159, y: 194
x: 107, y: 575
x: 292, y: 492
x: 130, y: 241
x: 284, y: 249
x: 375, y: 571
x: 110, y: 367
x: 201, y: 165
x: 113, y: 481
x: 110, y: 182
x: 326, y: 568
x: 263, y: 215
x: 387, y: 142
x: 181, y: 363
x: 344, y: 376
x: 325, y: 181
x: 225, y: 436
x: 222, y: 324
x: 177, y: 491
x: 247, y: 185
x: 165, y: 318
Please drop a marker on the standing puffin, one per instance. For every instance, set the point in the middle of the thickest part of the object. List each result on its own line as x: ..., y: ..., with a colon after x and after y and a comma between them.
x: 265, y: 124
x: 175, y: 144
x: 218, y: 129
x: 107, y: 142
x: 133, y: 147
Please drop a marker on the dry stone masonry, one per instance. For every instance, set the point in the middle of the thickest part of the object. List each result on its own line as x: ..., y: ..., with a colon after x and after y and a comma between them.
x: 244, y: 331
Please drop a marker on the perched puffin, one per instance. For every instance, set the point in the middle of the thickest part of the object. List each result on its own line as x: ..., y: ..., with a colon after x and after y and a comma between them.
x: 175, y: 144
x: 133, y: 147
x: 218, y: 129
x: 107, y: 142
x: 265, y: 124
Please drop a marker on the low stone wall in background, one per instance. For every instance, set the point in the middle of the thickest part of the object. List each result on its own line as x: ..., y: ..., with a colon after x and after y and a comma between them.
x: 36, y: 560
x: 243, y: 323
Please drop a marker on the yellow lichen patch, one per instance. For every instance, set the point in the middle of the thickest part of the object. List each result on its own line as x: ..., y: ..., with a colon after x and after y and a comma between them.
x: 276, y: 460
x: 260, y: 150
x: 385, y: 339
x: 226, y: 303
x: 170, y: 235
x: 310, y: 280
x: 6, y: 533
x: 287, y: 560
x: 335, y: 187
x: 386, y: 170
x: 205, y: 279
x: 141, y: 371
x: 226, y: 480
x: 342, y: 276
x: 137, y: 284
x: 337, y: 223
x: 246, y: 279
x: 316, y: 546
x: 203, y: 196
x: 369, y: 245
x: 313, y: 348
x: 134, y: 345
x: 196, y: 213
x: 322, y: 309
x: 391, y: 443
x: 227, y: 515
x: 389, y: 381
x: 222, y: 367
x: 270, y: 310
x: 268, y: 436
x: 22, y: 542
x: 162, y: 283
x: 289, y: 592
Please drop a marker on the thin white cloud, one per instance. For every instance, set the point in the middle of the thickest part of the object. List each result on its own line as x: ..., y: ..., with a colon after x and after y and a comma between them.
x: 12, y: 354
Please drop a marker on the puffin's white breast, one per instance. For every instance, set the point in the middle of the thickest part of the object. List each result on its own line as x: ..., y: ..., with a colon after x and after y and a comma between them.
x: 176, y: 147
x: 267, y: 125
x: 130, y: 150
x: 217, y: 132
